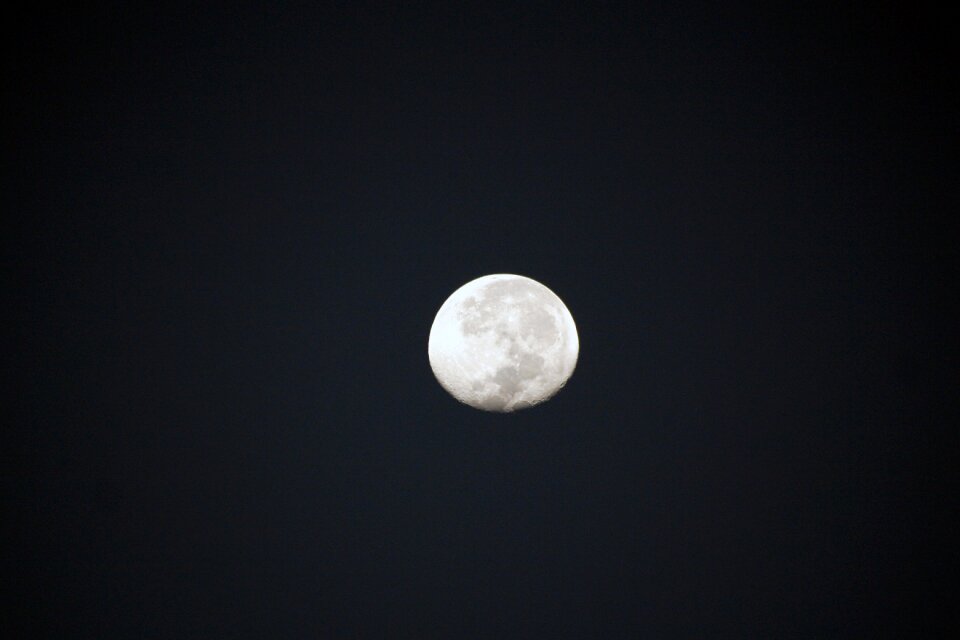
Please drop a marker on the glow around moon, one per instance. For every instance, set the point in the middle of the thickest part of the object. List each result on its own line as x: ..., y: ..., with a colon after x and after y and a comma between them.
x: 503, y: 342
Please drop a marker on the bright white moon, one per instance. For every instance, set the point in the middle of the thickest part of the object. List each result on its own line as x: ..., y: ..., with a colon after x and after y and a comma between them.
x: 502, y: 343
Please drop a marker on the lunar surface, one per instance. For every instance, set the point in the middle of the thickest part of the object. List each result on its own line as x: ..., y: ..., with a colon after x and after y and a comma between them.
x: 503, y: 342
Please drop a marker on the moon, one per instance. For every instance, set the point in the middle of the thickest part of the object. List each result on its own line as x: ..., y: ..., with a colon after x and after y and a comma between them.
x: 503, y: 342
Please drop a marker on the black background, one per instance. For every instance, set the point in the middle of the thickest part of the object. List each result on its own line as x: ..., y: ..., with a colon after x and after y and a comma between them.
x: 232, y: 228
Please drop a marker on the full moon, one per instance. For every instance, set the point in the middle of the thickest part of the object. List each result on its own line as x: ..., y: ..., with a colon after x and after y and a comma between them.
x: 503, y: 342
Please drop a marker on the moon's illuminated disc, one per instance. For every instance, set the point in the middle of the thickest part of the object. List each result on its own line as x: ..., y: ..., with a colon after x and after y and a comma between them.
x: 502, y: 343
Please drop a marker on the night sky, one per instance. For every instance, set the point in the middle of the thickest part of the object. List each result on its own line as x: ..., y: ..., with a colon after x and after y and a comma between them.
x: 229, y: 229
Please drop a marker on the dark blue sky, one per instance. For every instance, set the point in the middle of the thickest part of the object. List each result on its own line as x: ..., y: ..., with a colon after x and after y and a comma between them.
x: 232, y: 228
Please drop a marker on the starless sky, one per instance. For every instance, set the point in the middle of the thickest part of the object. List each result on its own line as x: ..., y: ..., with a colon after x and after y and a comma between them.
x: 232, y: 228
